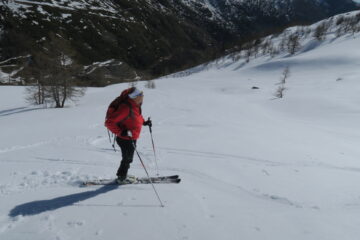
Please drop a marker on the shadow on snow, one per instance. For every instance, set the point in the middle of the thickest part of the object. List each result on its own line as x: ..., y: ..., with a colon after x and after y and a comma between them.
x: 37, y: 207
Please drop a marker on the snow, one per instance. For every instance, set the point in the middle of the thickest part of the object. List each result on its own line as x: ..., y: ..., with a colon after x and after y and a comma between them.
x: 106, y: 6
x: 95, y: 65
x: 252, y: 166
x: 9, y: 77
x: 41, y: 10
x: 65, y: 15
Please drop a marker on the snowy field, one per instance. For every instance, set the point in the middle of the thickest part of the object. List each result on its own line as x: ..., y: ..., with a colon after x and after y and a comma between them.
x: 253, y: 167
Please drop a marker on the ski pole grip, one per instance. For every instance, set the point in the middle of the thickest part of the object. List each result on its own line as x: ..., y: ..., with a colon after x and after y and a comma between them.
x: 149, y: 125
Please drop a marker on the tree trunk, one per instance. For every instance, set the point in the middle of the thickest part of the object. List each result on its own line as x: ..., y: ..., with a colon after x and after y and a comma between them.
x: 64, y: 93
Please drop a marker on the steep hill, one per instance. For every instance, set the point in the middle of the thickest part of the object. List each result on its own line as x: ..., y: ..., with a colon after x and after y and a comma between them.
x: 133, y: 39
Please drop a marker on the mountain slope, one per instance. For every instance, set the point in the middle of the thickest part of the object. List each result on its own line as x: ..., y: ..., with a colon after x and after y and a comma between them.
x: 148, y: 37
x: 252, y: 166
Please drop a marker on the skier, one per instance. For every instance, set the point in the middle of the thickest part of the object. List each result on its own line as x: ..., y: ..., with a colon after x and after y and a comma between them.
x: 124, y: 119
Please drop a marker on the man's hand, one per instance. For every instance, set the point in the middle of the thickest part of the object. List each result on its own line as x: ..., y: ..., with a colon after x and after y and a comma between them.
x: 126, y: 133
x: 148, y: 123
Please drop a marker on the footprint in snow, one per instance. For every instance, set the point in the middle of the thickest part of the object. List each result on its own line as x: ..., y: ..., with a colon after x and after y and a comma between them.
x: 76, y: 224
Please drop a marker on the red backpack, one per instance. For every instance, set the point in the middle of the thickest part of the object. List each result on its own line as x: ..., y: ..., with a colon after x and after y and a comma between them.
x: 115, y: 104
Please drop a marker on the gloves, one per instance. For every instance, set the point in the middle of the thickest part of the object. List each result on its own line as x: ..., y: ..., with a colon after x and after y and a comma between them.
x: 148, y: 123
x: 126, y: 133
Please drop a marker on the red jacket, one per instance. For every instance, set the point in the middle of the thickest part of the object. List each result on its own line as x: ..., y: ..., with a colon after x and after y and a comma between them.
x: 126, y: 119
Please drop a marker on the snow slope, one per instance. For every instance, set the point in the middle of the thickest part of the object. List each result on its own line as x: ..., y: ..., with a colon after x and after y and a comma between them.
x: 253, y: 166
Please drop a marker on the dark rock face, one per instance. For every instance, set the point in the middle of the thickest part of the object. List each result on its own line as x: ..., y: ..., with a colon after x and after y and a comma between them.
x: 122, y: 40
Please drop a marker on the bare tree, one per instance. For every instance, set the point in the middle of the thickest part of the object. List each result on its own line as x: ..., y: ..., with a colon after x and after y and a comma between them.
x: 280, y: 91
x: 293, y: 44
x: 150, y: 84
x: 34, y: 72
x: 255, y: 47
x: 266, y: 47
x: 285, y: 75
x: 35, y: 94
x: 347, y: 25
x: 354, y: 21
x: 61, y: 83
x: 320, y: 31
x: 237, y: 56
x: 282, y: 44
x: 339, y: 31
x: 53, y: 73
x: 248, y: 54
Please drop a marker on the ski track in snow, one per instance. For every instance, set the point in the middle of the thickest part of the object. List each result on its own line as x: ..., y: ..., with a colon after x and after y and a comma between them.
x: 16, y: 148
x: 257, y: 161
x: 227, y: 188
x: 215, y: 155
x: 12, y: 111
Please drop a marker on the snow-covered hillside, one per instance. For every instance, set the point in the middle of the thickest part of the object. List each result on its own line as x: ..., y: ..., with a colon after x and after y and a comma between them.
x: 252, y: 166
x: 277, y: 48
x: 151, y: 38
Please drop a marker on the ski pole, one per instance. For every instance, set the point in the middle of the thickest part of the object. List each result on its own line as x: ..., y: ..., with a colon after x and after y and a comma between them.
x: 113, y: 145
x: 109, y: 136
x: 152, y: 184
x: 153, y: 145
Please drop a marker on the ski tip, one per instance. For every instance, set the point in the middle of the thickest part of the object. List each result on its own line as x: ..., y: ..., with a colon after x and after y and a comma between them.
x: 173, y: 176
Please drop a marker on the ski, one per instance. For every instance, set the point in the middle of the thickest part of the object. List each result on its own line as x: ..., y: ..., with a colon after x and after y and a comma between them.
x: 139, y: 180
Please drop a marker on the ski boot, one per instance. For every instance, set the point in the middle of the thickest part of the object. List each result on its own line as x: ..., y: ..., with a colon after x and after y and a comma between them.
x: 130, y: 179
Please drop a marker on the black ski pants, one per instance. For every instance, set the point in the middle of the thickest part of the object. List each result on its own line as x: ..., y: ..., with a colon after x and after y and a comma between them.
x: 127, y: 150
